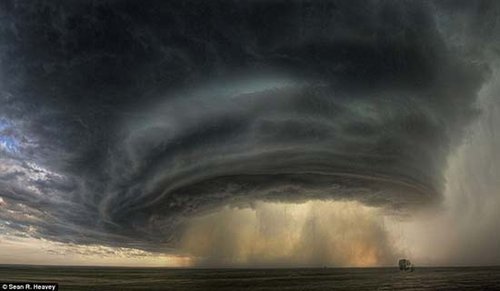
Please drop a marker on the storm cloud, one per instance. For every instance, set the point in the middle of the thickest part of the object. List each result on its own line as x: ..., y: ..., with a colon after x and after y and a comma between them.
x: 119, y: 120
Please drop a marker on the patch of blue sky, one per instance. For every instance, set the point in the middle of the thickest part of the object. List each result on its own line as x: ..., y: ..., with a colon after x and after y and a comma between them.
x: 9, y: 144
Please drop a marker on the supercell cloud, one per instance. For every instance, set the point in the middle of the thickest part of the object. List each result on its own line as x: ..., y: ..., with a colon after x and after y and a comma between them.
x: 119, y: 120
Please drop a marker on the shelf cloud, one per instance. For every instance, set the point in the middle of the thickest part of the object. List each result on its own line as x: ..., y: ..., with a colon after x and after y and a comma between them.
x: 120, y: 120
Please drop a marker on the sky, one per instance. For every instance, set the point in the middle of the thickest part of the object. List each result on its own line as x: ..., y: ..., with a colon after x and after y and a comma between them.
x: 249, y: 133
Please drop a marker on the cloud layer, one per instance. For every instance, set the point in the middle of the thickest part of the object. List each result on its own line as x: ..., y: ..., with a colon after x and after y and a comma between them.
x: 120, y: 120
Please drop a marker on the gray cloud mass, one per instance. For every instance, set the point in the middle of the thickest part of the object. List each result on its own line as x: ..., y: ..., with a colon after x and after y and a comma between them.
x: 120, y: 119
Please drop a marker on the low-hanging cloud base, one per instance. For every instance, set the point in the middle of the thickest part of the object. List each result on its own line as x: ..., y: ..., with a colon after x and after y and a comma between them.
x: 120, y: 121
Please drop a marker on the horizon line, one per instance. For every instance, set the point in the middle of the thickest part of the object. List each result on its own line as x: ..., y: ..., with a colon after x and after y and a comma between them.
x: 244, y: 267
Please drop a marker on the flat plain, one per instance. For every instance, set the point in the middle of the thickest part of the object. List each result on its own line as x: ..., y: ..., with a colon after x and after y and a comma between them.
x: 118, y: 278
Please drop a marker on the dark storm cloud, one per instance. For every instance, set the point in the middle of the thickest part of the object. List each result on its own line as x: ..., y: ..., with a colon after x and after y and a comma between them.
x: 118, y: 119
